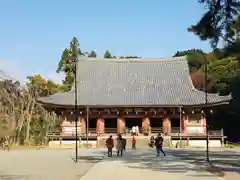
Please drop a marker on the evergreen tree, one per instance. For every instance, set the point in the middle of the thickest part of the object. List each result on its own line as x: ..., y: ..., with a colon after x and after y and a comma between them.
x: 107, y: 54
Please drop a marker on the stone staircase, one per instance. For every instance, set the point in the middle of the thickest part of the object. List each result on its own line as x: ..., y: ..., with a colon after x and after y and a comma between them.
x: 142, y: 142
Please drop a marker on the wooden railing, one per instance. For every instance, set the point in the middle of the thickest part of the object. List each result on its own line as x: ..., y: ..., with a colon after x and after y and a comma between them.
x: 111, y: 130
x: 155, y: 130
x: 216, y: 132
x: 92, y: 130
x: 175, y: 131
x: 52, y: 134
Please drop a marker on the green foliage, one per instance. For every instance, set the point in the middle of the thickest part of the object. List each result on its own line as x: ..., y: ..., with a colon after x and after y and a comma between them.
x: 217, y: 22
x: 68, y: 61
x: 43, y: 87
x: 196, y: 58
x: 187, y: 52
x: 222, y: 72
x: 107, y: 54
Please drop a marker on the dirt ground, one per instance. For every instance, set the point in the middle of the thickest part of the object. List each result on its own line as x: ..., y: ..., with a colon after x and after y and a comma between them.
x: 42, y: 165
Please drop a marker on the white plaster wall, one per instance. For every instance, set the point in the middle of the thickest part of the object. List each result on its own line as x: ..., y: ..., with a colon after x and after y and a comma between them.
x: 200, y: 143
x: 70, y: 130
x: 195, y: 129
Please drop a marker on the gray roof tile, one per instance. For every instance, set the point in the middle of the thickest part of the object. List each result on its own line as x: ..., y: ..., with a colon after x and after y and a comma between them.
x: 134, y: 82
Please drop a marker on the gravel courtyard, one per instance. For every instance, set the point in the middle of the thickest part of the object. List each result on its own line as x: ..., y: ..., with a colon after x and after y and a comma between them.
x: 43, y: 165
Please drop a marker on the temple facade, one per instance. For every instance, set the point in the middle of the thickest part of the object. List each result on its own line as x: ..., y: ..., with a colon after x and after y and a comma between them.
x: 113, y: 95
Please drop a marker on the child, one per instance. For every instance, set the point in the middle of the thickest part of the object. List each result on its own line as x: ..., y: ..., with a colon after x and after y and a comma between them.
x: 133, y: 142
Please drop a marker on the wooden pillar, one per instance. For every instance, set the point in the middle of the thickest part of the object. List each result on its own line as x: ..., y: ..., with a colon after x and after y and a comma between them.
x: 166, y: 125
x: 100, y: 127
x: 120, y: 125
x: 145, y: 125
x: 203, y: 123
x: 83, y: 125
x: 185, y: 123
x: 181, y: 119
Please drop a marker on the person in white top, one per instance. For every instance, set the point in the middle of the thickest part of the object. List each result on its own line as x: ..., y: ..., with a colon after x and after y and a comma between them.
x: 137, y: 130
x: 133, y: 130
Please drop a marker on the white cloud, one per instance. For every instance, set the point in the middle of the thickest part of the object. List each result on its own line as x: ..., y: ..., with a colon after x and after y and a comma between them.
x: 12, y: 70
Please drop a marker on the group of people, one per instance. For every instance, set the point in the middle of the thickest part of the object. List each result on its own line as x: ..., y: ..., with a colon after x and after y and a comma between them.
x: 135, y: 131
x: 121, y: 144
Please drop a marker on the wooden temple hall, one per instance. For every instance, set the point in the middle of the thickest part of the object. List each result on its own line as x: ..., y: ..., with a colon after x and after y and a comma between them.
x: 113, y: 95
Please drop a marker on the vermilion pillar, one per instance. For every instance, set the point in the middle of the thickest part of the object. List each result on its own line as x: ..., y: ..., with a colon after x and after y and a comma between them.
x: 120, y: 125
x: 185, y: 123
x: 166, y: 125
x: 83, y: 125
x: 145, y: 125
x: 204, y: 123
x: 100, y: 127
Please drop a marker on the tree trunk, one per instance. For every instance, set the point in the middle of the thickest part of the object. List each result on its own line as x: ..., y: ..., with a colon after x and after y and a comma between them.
x: 21, y: 121
x: 29, y: 118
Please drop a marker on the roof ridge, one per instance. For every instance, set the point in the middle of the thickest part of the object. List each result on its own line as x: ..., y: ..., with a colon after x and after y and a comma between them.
x: 169, y: 59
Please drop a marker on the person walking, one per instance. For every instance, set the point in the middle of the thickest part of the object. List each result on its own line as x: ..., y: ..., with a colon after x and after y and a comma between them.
x: 159, y: 144
x: 119, y: 145
x: 109, y: 145
x: 133, y: 142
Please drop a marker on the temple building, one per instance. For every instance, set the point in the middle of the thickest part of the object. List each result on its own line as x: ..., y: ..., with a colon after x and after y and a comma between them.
x: 113, y: 95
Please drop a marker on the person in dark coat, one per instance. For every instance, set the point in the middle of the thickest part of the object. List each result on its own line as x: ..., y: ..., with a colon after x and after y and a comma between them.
x: 109, y: 145
x: 159, y: 144
x: 119, y: 145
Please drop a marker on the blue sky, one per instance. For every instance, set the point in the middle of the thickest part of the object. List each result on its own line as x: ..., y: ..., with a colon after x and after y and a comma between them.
x: 34, y: 32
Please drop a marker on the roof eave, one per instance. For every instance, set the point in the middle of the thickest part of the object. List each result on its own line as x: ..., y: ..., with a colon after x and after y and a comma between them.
x: 143, y: 106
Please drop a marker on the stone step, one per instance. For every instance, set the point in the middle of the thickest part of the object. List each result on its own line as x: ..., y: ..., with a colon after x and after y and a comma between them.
x: 140, y: 141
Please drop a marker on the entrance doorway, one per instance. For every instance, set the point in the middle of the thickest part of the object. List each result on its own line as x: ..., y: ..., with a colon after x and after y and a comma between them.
x: 92, y: 124
x: 156, y: 122
x: 175, y: 125
x: 110, y: 125
x: 130, y: 122
x: 156, y: 125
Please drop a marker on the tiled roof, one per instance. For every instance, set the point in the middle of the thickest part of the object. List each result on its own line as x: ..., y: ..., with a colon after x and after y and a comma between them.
x: 134, y: 82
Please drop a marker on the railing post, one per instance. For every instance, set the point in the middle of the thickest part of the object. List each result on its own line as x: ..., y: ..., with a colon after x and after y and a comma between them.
x: 222, y: 136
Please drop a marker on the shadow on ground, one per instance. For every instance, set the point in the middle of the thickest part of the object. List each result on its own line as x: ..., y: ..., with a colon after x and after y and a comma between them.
x: 227, y: 161
x: 148, y: 160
